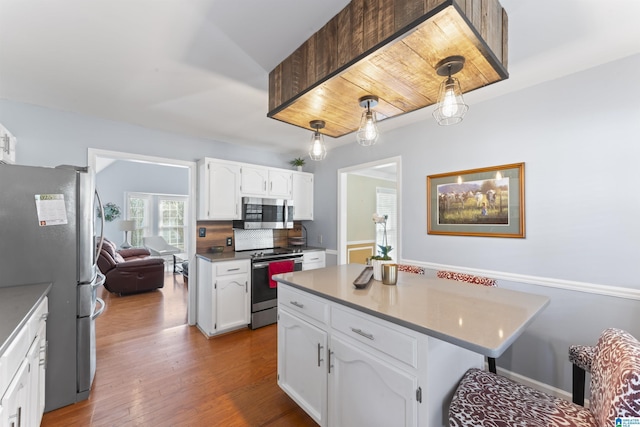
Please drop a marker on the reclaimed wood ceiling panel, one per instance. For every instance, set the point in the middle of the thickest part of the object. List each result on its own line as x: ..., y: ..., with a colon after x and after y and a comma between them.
x: 358, y: 53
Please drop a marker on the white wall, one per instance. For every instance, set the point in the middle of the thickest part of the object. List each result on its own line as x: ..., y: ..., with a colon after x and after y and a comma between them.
x: 580, y: 140
x: 50, y: 137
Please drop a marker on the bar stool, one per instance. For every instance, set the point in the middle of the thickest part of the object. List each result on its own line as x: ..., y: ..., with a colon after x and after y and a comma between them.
x: 485, y: 399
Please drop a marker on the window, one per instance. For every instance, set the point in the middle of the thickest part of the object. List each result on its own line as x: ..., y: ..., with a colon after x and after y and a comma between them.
x: 386, y: 202
x: 158, y: 215
x: 171, y: 223
x: 138, y: 209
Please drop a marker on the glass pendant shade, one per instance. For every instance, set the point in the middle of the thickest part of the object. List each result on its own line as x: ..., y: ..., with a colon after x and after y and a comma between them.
x: 368, y: 131
x: 317, y: 149
x: 451, y: 107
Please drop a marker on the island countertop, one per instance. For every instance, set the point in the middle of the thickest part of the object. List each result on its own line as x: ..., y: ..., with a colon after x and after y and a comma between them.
x: 483, y: 319
x: 16, y: 305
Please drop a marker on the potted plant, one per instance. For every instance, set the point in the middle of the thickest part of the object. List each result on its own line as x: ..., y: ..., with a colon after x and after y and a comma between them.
x: 298, y: 162
x: 111, y: 212
x: 383, y: 250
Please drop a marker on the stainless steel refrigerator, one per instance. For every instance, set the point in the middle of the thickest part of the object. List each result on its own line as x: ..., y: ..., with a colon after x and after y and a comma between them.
x: 47, y: 225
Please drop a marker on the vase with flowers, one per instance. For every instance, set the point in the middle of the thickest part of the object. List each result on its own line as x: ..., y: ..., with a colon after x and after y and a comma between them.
x: 383, y: 250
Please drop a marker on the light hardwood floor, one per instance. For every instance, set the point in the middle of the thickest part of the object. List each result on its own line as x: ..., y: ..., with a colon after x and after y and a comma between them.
x: 155, y: 370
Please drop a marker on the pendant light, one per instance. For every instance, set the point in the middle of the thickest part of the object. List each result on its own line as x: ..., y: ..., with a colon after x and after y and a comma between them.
x: 451, y: 107
x: 368, y: 131
x: 317, y: 149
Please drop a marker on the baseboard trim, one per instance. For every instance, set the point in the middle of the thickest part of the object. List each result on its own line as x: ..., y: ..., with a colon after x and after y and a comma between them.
x: 537, y: 385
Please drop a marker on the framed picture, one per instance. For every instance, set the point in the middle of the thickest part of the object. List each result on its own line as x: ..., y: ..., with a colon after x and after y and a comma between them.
x: 478, y: 202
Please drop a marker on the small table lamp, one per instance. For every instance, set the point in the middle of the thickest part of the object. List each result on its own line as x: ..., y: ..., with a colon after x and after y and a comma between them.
x: 127, y: 226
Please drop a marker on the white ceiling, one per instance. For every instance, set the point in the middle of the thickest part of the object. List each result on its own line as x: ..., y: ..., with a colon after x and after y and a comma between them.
x: 200, y: 67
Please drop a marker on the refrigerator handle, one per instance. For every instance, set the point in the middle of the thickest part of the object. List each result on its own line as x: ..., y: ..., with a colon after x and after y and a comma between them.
x: 98, y: 312
x: 99, y: 280
x: 99, y: 248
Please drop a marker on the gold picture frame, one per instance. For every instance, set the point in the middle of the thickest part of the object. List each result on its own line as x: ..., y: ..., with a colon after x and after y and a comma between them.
x: 486, y: 202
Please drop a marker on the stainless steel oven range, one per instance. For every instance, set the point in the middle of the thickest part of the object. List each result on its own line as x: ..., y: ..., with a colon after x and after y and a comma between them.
x: 264, y: 299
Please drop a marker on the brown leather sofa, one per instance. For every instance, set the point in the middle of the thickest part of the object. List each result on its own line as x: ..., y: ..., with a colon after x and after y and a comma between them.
x: 130, y: 270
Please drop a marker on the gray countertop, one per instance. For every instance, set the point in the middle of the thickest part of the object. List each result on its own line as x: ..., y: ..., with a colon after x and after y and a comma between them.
x: 16, y: 305
x: 486, y: 320
x: 233, y: 256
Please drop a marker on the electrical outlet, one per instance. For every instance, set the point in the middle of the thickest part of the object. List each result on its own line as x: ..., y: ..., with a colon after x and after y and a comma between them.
x: 320, y: 238
x: 202, y: 232
x: 229, y: 241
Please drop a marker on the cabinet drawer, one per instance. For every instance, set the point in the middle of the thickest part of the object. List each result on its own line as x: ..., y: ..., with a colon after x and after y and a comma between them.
x: 13, y: 356
x: 235, y: 267
x: 303, y: 303
x: 372, y: 332
x: 39, y: 316
x: 314, y: 256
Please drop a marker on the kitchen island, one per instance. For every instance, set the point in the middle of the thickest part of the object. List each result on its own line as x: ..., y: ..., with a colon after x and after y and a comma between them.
x: 388, y: 355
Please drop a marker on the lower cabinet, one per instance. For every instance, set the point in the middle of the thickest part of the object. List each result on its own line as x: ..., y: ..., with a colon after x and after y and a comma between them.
x: 313, y: 259
x: 364, y: 390
x: 16, y: 398
x: 335, y: 379
x: 302, y: 364
x: 349, y: 368
x: 22, y: 373
x: 223, y: 295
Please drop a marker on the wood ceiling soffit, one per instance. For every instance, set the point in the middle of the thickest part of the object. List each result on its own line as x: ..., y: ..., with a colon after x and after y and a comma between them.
x: 387, y: 48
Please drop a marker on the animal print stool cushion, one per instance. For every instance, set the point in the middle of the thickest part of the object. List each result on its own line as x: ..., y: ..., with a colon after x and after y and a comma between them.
x: 487, y: 400
x: 615, y: 377
x: 582, y: 356
x: 469, y: 278
x: 410, y: 268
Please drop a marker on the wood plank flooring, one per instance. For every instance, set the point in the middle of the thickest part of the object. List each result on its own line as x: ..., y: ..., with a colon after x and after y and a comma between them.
x: 155, y: 370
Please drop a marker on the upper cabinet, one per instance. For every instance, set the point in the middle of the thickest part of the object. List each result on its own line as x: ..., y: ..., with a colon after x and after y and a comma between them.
x: 302, y: 196
x: 219, y: 190
x: 254, y: 181
x: 258, y: 181
x: 280, y: 183
x: 222, y: 184
x: 7, y: 146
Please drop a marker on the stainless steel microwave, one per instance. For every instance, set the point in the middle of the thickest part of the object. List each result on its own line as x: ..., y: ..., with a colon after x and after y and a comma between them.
x: 265, y: 213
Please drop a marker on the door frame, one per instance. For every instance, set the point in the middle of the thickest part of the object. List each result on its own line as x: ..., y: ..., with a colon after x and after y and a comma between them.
x: 92, y: 156
x: 342, y: 203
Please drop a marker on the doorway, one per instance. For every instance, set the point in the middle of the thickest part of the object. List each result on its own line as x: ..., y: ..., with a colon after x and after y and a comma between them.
x: 362, y: 190
x: 97, y: 159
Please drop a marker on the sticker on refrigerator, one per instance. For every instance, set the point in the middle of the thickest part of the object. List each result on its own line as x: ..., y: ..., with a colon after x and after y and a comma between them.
x: 51, y: 210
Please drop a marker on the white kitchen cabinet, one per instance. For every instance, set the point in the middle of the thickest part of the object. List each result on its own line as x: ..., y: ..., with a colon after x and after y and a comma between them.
x: 16, y: 398
x: 280, y: 183
x: 302, y: 364
x: 365, y: 390
x: 223, y: 295
x: 37, y: 362
x: 22, y: 375
x: 302, y: 196
x: 7, y: 146
x: 232, y: 301
x: 219, y: 190
x: 254, y: 181
x: 259, y: 181
x: 370, y: 373
x: 313, y: 259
